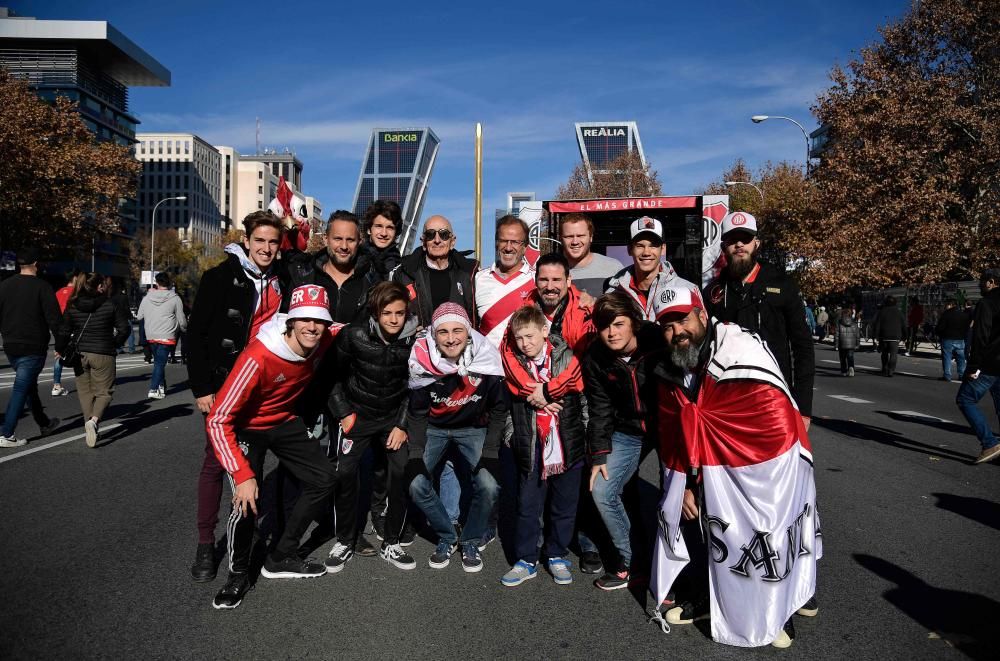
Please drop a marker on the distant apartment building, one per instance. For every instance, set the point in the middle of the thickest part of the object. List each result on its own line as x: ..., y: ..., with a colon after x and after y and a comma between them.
x: 229, y: 161
x: 257, y: 186
x: 92, y: 64
x: 281, y: 164
x: 397, y: 166
x: 174, y: 165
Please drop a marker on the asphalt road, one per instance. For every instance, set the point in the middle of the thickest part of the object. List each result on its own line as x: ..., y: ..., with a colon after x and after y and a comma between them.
x: 97, y: 544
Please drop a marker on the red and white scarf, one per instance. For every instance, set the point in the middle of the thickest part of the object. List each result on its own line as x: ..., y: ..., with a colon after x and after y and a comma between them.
x: 547, y: 424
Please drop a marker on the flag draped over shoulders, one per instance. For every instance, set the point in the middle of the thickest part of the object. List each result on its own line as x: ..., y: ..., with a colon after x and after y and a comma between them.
x: 745, y: 437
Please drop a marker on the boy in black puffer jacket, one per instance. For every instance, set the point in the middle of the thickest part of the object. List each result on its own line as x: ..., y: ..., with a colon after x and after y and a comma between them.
x: 370, y: 400
x: 549, y: 445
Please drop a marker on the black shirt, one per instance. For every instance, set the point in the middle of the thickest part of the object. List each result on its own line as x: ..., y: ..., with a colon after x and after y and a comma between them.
x: 440, y: 287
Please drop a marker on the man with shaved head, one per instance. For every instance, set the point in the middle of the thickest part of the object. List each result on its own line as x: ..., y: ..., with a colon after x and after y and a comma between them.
x: 436, y: 273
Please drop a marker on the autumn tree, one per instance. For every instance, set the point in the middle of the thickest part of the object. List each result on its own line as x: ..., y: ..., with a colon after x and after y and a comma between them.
x: 909, y: 187
x: 57, y: 180
x: 624, y: 176
x: 185, y: 261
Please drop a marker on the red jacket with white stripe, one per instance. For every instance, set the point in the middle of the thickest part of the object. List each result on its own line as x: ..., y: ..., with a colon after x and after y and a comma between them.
x: 260, y: 392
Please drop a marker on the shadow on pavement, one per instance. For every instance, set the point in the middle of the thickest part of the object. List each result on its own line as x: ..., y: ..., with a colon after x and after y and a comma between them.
x: 138, y: 417
x: 889, y: 437
x: 965, y: 620
x: 975, y: 509
x: 949, y: 427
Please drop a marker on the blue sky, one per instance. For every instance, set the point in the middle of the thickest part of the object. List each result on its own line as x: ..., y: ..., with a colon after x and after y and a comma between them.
x: 320, y: 75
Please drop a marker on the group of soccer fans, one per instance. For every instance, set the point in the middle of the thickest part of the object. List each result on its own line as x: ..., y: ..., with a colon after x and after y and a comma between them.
x: 567, y: 373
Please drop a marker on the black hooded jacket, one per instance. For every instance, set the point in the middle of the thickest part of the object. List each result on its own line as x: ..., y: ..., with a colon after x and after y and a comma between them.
x: 383, y: 260
x: 413, y: 270
x: 97, y: 323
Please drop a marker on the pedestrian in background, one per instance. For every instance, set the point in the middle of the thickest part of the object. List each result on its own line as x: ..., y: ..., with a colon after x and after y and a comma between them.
x: 846, y: 339
x: 63, y: 296
x: 822, y: 323
x: 982, y: 372
x: 810, y: 319
x: 914, y: 320
x: 888, y: 329
x: 98, y: 328
x: 29, y: 312
x: 951, y: 329
x: 162, y: 313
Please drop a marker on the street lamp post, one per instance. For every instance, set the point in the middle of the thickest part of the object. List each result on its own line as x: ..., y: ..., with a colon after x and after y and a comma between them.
x: 152, y: 231
x: 747, y: 183
x: 757, y: 119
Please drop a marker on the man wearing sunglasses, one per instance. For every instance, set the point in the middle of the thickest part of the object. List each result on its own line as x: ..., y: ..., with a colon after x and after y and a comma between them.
x: 436, y: 273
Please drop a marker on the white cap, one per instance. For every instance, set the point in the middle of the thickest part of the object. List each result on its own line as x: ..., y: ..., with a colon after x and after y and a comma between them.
x: 646, y: 225
x: 678, y: 298
x: 739, y: 220
x: 310, y: 302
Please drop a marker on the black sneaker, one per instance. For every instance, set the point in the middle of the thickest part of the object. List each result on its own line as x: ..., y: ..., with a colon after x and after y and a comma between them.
x: 203, y: 570
x: 688, y: 611
x: 590, y: 562
x: 395, y: 555
x: 291, y: 567
x: 378, y: 527
x: 472, y: 562
x: 487, y: 537
x: 49, y: 428
x: 339, y: 555
x: 232, y: 593
x: 810, y: 608
x: 441, y: 556
x: 408, y: 536
x: 364, y: 548
x: 785, y: 636
x: 614, y: 580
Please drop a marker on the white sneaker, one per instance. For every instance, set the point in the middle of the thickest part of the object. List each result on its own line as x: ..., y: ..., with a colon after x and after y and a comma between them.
x: 162, y: 392
x: 11, y: 442
x: 90, y: 426
x: 59, y: 391
x: 155, y: 394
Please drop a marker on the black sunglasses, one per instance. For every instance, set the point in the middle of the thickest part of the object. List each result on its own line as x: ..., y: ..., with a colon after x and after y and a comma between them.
x: 444, y: 234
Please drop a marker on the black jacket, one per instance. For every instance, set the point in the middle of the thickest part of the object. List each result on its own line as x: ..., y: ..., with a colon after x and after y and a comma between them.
x: 372, y: 374
x: 889, y: 324
x: 619, y: 392
x: 571, y: 430
x: 29, y: 312
x: 953, y: 324
x: 382, y: 261
x: 413, y: 270
x: 985, y: 353
x: 453, y: 402
x: 219, y: 327
x: 348, y: 303
x: 770, y: 305
x: 97, y: 323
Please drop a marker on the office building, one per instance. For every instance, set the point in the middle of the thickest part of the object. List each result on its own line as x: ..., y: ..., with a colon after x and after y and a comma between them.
x: 284, y: 164
x: 397, y: 166
x: 603, y: 142
x: 229, y: 161
x: 94, y: 65
x: 257, y: 185
x: 180, y: 164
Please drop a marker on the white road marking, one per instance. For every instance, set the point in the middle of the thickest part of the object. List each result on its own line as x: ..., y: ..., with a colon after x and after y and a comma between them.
x: 53, y: 444
x: 852, y: 400
x: 68, y: 375
x: 916, y: 414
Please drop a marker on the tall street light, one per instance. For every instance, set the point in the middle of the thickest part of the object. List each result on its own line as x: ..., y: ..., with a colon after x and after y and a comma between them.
x: 152, y: 231
x: 747, y: 183
x: 757, y: 119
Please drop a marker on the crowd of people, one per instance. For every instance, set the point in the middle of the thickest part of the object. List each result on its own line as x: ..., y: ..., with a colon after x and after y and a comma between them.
x: 567, y: 373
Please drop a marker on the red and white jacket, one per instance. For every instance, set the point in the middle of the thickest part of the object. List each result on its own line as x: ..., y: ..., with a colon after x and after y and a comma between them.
x: 260, y: 392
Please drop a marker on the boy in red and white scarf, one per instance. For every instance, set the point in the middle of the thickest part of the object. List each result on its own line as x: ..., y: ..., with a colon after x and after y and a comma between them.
x: 548, y: 446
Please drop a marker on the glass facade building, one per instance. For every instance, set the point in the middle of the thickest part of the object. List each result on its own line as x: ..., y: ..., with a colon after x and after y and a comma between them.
x: 603, y: 142
x: 397, y: 166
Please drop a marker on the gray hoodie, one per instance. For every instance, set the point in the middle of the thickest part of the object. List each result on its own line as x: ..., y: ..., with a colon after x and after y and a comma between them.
x: 163, y: 314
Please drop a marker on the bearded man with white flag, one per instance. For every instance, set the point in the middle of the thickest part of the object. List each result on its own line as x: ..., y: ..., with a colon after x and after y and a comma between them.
x: 737, y: 466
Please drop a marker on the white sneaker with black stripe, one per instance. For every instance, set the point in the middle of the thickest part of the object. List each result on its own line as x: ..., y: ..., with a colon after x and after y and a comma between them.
x: 339, y: 555
x: 395, y: 555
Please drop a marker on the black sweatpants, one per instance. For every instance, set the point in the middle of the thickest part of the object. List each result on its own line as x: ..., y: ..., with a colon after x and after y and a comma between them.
x: 351, y: 447
x: 304, y: 459
x: 889, y: 349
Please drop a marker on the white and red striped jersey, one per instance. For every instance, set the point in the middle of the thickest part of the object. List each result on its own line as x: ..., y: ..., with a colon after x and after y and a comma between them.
x: 498, y: 298
x: 260, y: 392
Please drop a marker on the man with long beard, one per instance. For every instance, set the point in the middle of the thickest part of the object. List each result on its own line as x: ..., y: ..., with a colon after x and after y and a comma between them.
x: 762, y: 299
x: 737, y: 467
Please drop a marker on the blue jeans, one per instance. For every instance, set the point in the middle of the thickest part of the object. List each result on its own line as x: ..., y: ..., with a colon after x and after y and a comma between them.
x: 969, y: 394
x: 956, y: 349
x: 160, y: 354
x: 26, y: 371
x: 131, y: 338
x: 57, y: 372
x: 468, y: 443
x: 450, y: 490
x: 622, y: 463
